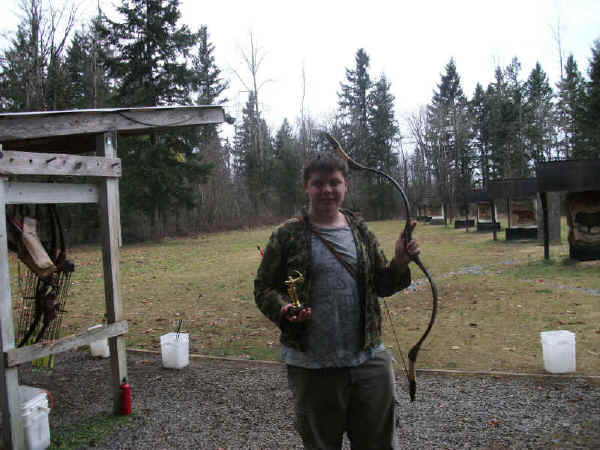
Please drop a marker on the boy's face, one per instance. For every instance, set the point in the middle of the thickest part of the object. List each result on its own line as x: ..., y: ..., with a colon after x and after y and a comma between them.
x: 326, y: 191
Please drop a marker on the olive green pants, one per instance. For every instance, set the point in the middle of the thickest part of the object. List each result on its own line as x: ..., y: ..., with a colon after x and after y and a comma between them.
x: 357, y: 400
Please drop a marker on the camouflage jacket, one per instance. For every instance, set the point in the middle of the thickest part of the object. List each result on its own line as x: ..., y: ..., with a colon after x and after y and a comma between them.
x: 289, y: 250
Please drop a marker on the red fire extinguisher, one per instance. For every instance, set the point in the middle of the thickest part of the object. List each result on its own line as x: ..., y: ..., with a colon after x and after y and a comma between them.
x: 125, y: 398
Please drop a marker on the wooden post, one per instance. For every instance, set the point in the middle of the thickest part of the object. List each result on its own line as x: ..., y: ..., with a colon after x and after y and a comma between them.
x: 110, y: 220
x: 444, y: 215
x: 544, y: 198
x: 494, y: 220
x: 13, y: 435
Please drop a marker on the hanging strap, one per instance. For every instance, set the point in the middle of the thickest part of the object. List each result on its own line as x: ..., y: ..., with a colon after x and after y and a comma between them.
x: 335, y: 253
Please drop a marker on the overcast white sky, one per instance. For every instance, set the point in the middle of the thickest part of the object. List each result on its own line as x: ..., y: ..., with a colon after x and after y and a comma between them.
x: 409, y: 41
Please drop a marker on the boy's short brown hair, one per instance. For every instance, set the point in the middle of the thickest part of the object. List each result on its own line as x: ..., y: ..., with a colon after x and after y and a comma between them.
x: 324, y: 162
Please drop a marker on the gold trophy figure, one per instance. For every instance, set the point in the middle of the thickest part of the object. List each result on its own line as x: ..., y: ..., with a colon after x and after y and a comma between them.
x: 291, y: 284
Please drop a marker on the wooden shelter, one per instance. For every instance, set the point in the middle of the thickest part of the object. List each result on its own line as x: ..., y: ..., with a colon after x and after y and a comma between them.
x: 60, y: 143
x: 581, y: 179
x: 464, y: 220
x: 521, y: 196
x: 486, y: 210
x: 422, y: 213
x: 431, y: 209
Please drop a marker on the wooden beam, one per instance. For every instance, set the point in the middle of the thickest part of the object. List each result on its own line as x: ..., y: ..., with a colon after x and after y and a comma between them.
x: 512, y: 188
x: 545, y: 218
x: 40, y: 193
x: 109, y: 219
x: 571, y: 175
x: 13, y: 435
x: 22, y: 355
x: 478, y: 195
x: 22, y: 126
x: 494, y: 230
x: 26, y: 163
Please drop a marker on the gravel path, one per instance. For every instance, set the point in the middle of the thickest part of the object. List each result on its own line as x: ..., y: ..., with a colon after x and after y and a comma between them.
x: 214, y: 404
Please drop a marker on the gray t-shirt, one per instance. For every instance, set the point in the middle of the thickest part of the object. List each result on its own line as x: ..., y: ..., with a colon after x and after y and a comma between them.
x: 333, y: 333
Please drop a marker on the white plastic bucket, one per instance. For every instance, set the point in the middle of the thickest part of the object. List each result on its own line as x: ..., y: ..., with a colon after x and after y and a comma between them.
x: 558, y: 348
x: 100, y: 347
x: 175, y: 349
x: 34, y: 408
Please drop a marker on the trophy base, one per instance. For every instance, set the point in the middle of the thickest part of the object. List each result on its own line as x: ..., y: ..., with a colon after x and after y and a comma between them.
x: 294, y: 310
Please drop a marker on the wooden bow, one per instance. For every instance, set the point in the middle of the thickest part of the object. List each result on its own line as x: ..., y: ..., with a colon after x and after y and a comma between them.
x: 412, y: 354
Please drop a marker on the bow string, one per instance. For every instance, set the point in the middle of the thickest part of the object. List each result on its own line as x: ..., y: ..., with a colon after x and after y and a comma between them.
x: 414, y: 351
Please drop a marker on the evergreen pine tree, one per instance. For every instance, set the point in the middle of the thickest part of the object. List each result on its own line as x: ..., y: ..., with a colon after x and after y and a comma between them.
x: 149, y: 66
x: 286, y: 175
x: 384, y: 135
x: 353, y: 109
x: 515, y: 122
x: 208, y: 82
x: 506, y: 123
x: 497, y: 107
x: 539, y: 116
x: 449, y: 134
x: 57, y: 83
x: 480, y: 137
x: 151, y: 50
x: 253, y: 168
x: 20, y: 87
x: 570, y: 97
x: 86, y: 69
x: 590, y: 115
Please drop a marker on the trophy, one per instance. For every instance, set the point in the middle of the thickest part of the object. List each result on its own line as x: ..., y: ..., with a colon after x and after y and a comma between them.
x: 291, y: 284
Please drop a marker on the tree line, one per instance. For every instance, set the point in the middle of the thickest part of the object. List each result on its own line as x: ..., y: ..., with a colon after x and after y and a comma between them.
x: 505, y: 129
x: 191, y: 181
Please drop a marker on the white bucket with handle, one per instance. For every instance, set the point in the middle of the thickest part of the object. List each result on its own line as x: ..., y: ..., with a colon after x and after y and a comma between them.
x: 175, y: 349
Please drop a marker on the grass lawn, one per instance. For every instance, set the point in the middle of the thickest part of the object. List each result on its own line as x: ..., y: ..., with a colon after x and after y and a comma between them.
x: 487, y: 320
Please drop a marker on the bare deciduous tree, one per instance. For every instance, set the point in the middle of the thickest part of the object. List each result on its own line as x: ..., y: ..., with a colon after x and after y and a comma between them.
x: 253, y: 60
x: 35, y: 57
